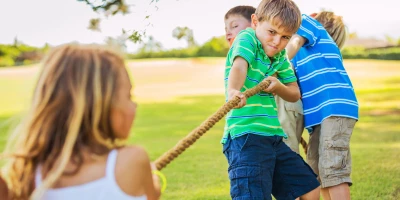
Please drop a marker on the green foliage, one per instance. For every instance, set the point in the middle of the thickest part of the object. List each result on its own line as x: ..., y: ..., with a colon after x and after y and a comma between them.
x: 9, y: 51
x: 111, y: 8
x: 6, y: 61
x: 217, y: 46
x: 20, y: 54
x: 184, y: 33
x: 392, y: 53
x: 173, y: 53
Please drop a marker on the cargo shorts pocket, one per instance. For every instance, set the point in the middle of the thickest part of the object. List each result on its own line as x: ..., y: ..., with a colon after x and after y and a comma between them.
x: 246, y: 182
x: 336, y: 154
x: 296, y: 107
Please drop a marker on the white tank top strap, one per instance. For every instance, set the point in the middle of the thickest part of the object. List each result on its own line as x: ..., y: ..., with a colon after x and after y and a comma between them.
x: 111, y: 162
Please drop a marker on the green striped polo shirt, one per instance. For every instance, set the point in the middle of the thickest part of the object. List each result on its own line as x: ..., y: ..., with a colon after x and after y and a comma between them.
x: 259, y: 115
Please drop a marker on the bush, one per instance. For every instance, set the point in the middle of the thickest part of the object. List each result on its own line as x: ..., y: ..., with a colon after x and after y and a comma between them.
x: 6, y: 61
x: 216, y: 47
x: 21, y: 54
x: 391, y: 53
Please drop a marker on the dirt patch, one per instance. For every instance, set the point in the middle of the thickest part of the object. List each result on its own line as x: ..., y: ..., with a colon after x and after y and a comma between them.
x: 165, y: 81
x: 159, y: 80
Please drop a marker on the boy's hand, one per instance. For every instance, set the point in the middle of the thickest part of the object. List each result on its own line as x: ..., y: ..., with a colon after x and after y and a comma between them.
x: 232, y: 93
x: 274, y: 86
x: 273, y: 93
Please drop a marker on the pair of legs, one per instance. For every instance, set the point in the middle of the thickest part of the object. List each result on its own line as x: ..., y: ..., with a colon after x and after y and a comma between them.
x: 329, y: 156
x: 263, y: 165
x: 291, y: 118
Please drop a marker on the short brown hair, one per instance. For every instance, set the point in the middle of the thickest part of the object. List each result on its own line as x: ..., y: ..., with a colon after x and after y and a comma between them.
x: 244, y: 11
x: 285, y: 10
x: 334, y: 25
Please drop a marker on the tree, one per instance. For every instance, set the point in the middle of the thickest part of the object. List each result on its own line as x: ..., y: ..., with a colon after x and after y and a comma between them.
x: 390, y: 39
x: 151, y: 45
x: 186, y: 33
x: 113, y: 7
x: 217, y: 46
x: 117, y: 43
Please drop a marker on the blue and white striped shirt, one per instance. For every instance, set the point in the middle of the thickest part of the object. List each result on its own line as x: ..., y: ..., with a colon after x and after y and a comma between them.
x: 325, y: 86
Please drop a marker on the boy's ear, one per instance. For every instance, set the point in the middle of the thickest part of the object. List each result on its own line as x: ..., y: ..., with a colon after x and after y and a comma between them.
x: 254, y: 21
x: 313, y: 15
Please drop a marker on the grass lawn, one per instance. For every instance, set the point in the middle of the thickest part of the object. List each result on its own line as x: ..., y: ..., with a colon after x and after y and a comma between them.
x: 201, y: 171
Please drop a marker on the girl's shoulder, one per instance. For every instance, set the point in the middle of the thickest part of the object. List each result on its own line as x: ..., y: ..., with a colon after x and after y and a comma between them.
x: 131, y: 169
x: 133, y: 155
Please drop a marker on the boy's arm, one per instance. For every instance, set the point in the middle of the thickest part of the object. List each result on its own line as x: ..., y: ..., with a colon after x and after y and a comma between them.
x: 307, y: 35
x: 236, y: 79
x: 294, y: 45
x: 288, y: 92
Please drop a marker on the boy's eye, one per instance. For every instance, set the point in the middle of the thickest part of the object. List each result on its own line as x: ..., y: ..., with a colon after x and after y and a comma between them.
x: 271, y: 32
x: 286, y: 37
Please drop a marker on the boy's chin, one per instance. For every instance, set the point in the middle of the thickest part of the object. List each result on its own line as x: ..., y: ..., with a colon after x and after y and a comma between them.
x: 271, y: 53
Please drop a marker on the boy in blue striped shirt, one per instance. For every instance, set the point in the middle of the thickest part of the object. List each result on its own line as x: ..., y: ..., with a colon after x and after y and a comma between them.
x: 329, y: 101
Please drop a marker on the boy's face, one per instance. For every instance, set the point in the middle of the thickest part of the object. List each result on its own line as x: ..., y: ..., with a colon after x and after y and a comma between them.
x: 233, y: 25
x: 272, y: 36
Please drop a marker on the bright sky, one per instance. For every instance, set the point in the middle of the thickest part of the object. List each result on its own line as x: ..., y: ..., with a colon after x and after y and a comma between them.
x: 36, y: 22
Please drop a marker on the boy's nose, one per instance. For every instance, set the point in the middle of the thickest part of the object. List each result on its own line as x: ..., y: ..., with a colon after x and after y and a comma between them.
x: 277, y: 40
x: 228, y: 34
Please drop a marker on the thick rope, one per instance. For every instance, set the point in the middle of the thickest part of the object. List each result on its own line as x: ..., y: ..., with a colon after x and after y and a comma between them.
x: 304, y: 145
x: 187, y: 141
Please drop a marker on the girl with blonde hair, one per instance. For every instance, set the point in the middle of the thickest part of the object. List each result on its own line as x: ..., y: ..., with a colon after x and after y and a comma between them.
x: 69, y: 144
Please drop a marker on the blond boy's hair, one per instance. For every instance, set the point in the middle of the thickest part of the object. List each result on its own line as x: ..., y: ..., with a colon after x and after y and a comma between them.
x: 285, y: 10
x: 334, y: 25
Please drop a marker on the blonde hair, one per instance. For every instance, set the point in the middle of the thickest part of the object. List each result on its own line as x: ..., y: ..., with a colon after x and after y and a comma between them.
x: 334, y: 25
x: 70, y: 111
x: 285, y: 10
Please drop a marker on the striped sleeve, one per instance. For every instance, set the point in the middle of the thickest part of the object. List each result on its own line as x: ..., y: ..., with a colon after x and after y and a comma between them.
x: 285, y: 71
x: 244, y: 46
x: 309, y: 30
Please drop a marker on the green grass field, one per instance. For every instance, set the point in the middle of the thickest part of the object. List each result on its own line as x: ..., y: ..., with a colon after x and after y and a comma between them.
x: 201, y: 171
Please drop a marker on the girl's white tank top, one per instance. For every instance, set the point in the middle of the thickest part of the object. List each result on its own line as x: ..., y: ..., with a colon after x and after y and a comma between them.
x: 101, y: 189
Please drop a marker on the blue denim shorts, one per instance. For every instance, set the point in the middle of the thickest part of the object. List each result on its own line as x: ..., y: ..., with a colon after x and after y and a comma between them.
x: 263, y: 165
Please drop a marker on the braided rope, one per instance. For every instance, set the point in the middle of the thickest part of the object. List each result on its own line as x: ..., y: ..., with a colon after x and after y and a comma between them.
x: 191, y: 138
x: 304, y: 145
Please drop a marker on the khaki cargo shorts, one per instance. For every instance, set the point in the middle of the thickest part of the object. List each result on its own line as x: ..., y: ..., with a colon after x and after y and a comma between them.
x: 291, y: 118
x: 328, y: 151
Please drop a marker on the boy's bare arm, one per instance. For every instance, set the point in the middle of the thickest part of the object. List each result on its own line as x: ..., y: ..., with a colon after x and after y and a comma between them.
x: 289, y: 92
x: 236, y: 79
x: 294, y: 45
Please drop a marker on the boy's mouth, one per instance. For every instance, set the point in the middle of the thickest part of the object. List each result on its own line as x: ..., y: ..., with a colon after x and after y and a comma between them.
x: 273, y: 47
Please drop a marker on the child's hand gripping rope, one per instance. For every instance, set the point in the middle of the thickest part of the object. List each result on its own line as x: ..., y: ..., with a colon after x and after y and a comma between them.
x: 183, y: 144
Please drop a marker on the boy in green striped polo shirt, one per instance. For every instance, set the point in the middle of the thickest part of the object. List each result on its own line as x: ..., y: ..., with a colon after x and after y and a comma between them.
x: 260, y: 164
x: 290, y: 114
